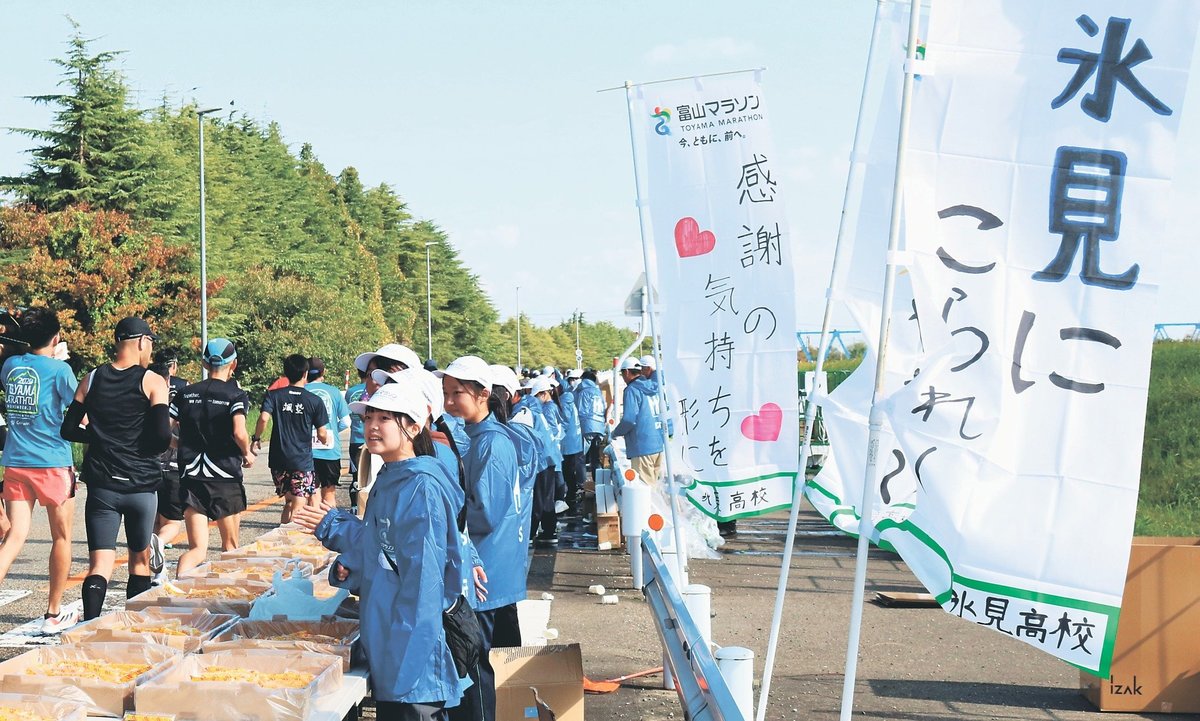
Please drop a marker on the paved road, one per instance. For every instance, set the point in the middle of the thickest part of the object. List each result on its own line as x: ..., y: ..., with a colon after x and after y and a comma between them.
x: 918, y: 664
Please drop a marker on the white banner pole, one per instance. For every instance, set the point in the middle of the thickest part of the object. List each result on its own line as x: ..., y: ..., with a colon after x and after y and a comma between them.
x: 674, y: 492
x: 856, y: 166
x: 877, y: 414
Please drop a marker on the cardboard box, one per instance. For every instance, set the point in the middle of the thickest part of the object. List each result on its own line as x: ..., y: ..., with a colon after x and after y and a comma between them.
x: 177, y: 595
x: 539, y: 682
x: 104, y: 698
x: 44, y: 706
x: 198, y: 626
x: 608, y: 530
x: 267, y: 634
x: 1156, y: 664
x: 174, y: 692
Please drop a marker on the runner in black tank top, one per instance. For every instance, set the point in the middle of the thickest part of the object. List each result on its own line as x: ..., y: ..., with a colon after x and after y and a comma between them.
x: 121, y: 412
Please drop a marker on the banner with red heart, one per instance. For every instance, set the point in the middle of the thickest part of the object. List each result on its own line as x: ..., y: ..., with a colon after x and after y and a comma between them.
x: 690, y: 241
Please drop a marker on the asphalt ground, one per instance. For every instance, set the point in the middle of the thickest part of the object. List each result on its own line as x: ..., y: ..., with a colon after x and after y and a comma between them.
x: 915, y: 663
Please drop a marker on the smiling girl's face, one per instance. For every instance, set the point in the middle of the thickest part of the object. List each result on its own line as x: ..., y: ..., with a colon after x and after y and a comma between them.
x: 462, y: 402
x: 389, y: 435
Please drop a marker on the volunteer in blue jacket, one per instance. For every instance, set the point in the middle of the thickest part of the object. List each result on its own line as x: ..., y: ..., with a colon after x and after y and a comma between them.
x: 571, y: 444
x: 534, y: 399
x: 404, y: 559
x: 493, y: 510
x: 593, y: 411
x: 641, y: 423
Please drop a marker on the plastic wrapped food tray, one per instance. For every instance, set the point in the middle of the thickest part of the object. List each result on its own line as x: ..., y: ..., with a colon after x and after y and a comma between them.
x: 24, y: 707
x: 174, y: 691
x: 286, y: 543
x: 341, y: 636
x: 257, y: 568
x: 178, y: 595
x: 135, y: 716
x: 197, y: 624
x: 99, y: 697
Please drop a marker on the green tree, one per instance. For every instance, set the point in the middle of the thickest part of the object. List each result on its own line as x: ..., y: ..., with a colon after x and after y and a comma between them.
x: 95, y: 151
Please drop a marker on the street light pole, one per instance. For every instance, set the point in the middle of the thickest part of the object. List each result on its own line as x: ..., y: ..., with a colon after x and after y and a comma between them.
x: 203, y: 239
x: 519, y: 366
x: 428, y: 300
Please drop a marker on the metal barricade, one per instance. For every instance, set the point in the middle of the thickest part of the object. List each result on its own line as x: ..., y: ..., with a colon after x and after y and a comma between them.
x: 702, y: 690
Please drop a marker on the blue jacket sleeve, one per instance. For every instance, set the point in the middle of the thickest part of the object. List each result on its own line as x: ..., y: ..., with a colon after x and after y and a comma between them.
x: 629, y: 413
x: 492, y: 495
x: 340, y: 531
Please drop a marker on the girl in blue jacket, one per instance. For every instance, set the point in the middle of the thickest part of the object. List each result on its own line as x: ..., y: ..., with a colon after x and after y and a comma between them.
x: 403, y: 559
x: 494, y: 512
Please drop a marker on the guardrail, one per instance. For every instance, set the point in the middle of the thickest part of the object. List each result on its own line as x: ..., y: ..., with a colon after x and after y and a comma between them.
x: 703, y: 691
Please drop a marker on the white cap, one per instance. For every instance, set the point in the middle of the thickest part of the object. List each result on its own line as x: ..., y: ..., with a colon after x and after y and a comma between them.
x: 647, y: 361
x: 574, y: 373
x: 631, y: 364
x: 548, y: 370
x: 505, y: 377
x: 395, y: 351
x: 402, y: 397
x: 469, y: 368
x: 426, y: 382
x: 538, y: 384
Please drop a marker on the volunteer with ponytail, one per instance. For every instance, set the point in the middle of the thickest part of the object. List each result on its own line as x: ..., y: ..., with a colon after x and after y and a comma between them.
x: 493, y: 508
x: 404, y: 559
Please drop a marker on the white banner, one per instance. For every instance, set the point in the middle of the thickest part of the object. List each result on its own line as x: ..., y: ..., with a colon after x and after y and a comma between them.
x: 725, y: 280
x: 1041, y: 155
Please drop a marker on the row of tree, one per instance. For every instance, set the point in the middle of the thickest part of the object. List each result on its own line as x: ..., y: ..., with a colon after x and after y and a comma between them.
x: 104, y: 223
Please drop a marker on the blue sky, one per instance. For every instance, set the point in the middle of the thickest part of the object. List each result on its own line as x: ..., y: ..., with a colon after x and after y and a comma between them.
x: 486, y: 119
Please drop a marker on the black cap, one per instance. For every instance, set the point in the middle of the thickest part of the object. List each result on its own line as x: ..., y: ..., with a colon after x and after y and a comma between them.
x: 134, y: 327
x: 316, y: 367
x: 430, y: 365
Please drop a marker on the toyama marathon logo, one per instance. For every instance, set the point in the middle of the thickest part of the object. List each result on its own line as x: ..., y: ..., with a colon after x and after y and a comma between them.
x: 664, y: 117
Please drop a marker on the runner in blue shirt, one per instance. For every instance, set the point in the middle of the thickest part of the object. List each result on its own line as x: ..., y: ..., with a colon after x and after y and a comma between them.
x: 327, y: 456
x: 38, y: 467
x: 354, y: 394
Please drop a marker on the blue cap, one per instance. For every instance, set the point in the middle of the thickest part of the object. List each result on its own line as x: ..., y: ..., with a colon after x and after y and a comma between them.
x: 219, y: 352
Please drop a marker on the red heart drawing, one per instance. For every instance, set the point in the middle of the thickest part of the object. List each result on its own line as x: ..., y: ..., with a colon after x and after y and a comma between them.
x: 765, y: 425
x: 690, y: 240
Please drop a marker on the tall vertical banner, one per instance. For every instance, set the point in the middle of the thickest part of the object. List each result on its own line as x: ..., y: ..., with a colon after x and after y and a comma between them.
x: 723, y: 256
x: 1041, y: 154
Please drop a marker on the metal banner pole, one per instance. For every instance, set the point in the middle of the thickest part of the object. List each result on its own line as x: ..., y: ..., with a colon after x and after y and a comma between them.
x: 856, y: 169
x: 877, y: 414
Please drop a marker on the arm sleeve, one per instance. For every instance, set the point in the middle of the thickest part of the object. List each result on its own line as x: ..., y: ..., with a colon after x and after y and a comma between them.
x: 67, y: 386
x: 340, y: 531
x: 629, y: 414
x: 241, y: 405
x: 70, y: 429
x: 321, y: 416
x: 158, y: 428
x: 268, y: 404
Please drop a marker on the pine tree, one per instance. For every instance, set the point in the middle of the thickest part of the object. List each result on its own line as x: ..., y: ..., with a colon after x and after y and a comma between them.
x: 93, y: 152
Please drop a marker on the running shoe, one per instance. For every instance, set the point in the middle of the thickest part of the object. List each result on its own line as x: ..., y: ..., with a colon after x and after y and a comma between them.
x: 54, y: 625
x: 560, y: 506
x: 157, y: 559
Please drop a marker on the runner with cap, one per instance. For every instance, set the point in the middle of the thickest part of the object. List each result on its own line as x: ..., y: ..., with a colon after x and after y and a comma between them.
x: 38, y: 466
x: 297, y: 414
x: 120, y: 410
x: 641, y: 423
x: 404, y: 559
x: 494, y: 514
x: 214, y: 447
x: 327, y: 457
x: 169, y: 522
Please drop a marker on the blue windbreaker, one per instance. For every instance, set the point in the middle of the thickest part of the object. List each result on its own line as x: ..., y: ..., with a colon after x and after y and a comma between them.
x: 641, y: 419
x: 409, y: 523
x: 591, y: 406
x: 494, y: 513
x: 449, y: 461
x: 458, y: 430
x: 529, y: 459
x: 572, y: 440
x: 554, y: 422
x: 551, y: 454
